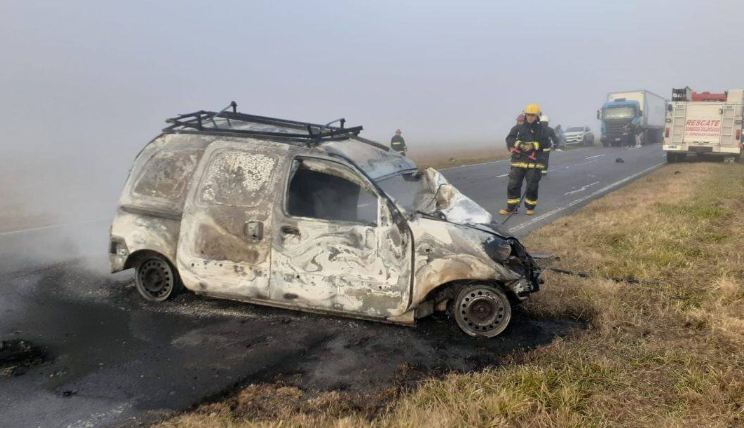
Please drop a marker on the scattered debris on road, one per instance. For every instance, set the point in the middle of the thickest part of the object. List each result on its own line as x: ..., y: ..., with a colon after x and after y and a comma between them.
x: 16, y: 356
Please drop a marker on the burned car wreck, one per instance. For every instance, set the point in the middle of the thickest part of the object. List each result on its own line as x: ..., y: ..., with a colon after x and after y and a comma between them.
x: 311, y: 217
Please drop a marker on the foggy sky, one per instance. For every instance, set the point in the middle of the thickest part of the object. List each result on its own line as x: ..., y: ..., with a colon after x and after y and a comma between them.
x: 84, y: 85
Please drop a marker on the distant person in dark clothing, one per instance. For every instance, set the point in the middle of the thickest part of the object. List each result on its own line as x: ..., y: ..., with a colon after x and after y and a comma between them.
x: 550, y: 134
x: 398, y: 144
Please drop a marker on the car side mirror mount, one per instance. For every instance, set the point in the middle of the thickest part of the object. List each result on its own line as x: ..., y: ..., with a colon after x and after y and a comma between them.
x: 640, y: 113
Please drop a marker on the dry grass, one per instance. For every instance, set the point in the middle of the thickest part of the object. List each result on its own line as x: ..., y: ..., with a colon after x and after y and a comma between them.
x: 666, y: 354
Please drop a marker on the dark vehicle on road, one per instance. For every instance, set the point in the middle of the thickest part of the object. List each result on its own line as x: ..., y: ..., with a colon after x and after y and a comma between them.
x: 630, y: 113
x: 311, y: 217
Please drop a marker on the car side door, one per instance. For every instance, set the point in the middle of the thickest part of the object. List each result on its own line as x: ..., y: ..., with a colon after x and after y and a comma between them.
x: 335, y: 244
x: 224, y: 247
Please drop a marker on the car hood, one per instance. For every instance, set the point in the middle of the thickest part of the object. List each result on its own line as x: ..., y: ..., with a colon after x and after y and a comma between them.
x: 567, y: 134
x: 450, y: 205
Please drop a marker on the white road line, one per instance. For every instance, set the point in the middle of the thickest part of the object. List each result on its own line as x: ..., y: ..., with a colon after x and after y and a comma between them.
x: 595, y: 156
x: 583, y: 198
x: 502, y: 175
x: 580, y: 189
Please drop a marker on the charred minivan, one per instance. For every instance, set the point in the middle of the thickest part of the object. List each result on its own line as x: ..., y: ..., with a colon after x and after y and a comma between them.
x: 314, y: 218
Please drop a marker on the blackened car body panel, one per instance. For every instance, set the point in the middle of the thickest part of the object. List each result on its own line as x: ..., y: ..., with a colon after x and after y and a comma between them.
x: 252, y: 209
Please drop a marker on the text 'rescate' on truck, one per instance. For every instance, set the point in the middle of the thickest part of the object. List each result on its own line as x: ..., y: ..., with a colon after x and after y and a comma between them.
x: 706, y: 124
x: 628, y: 114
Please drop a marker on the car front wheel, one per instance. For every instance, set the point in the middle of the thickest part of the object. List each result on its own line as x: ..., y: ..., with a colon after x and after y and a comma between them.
x: 156, y: 279
x: 482, y: 310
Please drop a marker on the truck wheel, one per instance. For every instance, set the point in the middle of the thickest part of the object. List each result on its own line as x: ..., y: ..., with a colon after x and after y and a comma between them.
x: 671, y: 157
x: 156, y: 279
x: 482, y: 310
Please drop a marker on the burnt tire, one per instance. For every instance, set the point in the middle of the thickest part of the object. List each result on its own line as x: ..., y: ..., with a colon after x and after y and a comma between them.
x: 156, y: 279
x: 482, y: 310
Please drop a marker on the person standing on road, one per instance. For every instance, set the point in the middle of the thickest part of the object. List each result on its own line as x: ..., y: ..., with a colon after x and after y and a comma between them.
x: 526, y: 143
x: 559, y: 134
x: 398, y: 144
x: 554, y: 143
x: 637, y: 131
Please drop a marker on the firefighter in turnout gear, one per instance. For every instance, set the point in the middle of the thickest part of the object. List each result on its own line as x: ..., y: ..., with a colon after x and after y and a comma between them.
x: 554, y: 143
x: 526, y: 142
x: 398, y: 144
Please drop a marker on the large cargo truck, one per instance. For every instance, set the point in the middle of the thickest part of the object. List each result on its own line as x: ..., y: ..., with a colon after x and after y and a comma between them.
x: 630, y: 113
x: 704, y: 123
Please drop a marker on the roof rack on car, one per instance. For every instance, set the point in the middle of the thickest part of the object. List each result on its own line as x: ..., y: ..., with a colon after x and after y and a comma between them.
x: 234, y: 122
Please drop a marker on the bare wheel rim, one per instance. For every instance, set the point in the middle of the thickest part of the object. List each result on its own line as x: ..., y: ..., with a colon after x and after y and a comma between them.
x: 481, y: 310
x: 155, y: 278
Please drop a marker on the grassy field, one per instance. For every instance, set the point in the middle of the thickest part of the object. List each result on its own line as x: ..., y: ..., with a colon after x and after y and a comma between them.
x: 665, y: 352
x: 443, y: 159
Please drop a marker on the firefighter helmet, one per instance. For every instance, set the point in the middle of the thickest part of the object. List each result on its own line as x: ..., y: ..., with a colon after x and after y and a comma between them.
x: 532, y: 109
x: 544, y: 119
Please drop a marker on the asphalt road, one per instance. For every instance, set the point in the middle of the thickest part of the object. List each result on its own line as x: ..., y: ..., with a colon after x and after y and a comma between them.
x: 575, y: 177
x: 115, y: 360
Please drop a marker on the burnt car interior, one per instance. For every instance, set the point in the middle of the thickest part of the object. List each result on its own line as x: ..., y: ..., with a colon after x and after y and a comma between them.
x: 325, y: 196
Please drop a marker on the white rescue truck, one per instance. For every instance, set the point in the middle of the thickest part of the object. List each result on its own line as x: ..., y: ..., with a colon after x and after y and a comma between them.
x: 704, y: 123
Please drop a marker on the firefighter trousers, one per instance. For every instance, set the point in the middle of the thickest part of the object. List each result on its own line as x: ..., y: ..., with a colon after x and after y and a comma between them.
x: 545, y: 161
x: 514, y: 190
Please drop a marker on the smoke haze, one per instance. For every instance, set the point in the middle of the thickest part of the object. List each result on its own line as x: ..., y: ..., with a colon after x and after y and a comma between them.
x: 84, y: 85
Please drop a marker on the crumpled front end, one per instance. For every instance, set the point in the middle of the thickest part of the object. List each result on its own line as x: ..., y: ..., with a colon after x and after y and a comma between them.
x: 521, y: 262
x: 451, y: 203
x: 446, y: 253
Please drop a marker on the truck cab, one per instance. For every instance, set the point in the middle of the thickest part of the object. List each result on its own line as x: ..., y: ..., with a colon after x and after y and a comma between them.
x: 615, y: 117
x: 630, y: 115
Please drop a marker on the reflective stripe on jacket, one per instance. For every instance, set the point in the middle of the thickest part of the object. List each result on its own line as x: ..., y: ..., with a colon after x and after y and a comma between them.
x: 519, y: 136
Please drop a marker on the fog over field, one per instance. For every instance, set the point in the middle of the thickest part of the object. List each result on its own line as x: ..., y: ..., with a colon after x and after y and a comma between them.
x: 84, y: 85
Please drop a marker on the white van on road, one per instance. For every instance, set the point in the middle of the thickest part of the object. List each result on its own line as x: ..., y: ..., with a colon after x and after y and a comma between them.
x: 315, y: 218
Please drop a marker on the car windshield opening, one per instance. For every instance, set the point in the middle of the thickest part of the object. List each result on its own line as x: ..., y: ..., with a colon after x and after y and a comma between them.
x: 410, y: 191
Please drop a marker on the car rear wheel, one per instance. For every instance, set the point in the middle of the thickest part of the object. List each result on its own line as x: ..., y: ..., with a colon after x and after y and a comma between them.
x: 482, y: 310
x: 156, y: 279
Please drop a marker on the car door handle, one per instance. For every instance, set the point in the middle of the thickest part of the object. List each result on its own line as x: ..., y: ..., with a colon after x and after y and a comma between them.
x: 290, y: 230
